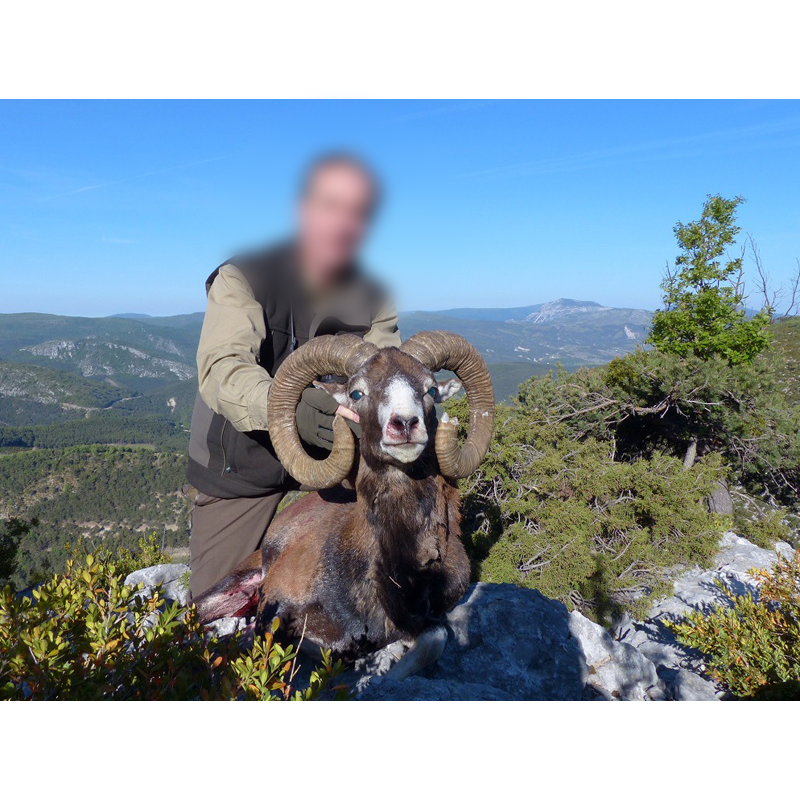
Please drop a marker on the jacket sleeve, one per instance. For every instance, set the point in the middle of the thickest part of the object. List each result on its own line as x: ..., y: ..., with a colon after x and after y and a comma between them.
x: 384, y: 331
x: 231, y: 382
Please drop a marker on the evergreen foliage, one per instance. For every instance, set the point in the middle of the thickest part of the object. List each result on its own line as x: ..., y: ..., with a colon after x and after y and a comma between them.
x: 649, y: 401
x: 12, y: 531
x: 550, y: 512
x: 704, y: 315
x: 110, y: 495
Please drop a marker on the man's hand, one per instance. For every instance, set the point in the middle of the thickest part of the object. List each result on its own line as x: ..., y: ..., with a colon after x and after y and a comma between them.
x: 345, y: 412
x: 315, y: 414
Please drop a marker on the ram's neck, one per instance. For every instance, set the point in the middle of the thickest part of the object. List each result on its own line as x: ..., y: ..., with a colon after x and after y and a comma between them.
x: 409, y: 520
x: 404, y: 513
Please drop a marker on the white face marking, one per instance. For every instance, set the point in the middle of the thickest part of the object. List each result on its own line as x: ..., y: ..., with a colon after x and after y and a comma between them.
x: 400, y: 400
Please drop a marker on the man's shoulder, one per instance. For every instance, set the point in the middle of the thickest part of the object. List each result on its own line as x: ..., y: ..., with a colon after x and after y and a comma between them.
x: 255, y: 265
x: 260, y: 256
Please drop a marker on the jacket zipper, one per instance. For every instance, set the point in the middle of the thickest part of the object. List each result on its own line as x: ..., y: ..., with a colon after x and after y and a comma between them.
x: 222, y: 447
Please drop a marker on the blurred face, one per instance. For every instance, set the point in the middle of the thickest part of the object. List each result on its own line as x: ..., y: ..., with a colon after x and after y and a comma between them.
x: 333, y: 218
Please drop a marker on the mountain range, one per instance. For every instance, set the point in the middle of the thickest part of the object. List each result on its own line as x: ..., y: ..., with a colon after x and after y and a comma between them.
x: 572, y: 332
x: 59, y: 368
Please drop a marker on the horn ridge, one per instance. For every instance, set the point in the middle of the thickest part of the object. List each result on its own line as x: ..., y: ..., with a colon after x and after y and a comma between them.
x: 324, y: 355
x: 444, y: 350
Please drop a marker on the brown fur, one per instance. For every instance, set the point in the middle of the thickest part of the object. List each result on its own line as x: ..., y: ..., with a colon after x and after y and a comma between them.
x: 354, y: 571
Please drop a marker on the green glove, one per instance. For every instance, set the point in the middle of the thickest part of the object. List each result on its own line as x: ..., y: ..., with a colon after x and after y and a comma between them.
x: 315, y: 414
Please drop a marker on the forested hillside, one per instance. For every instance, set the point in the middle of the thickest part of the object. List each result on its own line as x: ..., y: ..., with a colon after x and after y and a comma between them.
x: 55, y: 387
x: 44, y: 407
x: 120, y: 429
x: 96, y: 494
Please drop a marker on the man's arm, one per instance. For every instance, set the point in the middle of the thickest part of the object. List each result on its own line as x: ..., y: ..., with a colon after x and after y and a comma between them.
x: 384, y: 331
x: 231, y: 381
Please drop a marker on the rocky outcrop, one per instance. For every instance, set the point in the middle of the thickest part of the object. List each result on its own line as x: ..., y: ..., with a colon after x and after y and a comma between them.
x: 169, y: 576
x: 485, y: 646
x: 614, y: 670
x: 417, y: 688
x: 507, y: 643
x: 94, y: 356
x: 696, y: 590
x: 517, y: 644
x: 502, y: 642
x: 720, y: 501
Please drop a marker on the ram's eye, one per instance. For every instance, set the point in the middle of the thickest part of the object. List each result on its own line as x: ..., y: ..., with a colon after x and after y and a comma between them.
x: 356, y: 395
x: 432, y: 392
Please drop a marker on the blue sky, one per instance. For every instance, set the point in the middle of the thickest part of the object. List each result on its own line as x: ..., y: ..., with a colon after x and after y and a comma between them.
x: 123, y: 206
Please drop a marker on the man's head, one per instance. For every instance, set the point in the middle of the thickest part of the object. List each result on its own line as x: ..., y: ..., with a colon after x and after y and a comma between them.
x: 338, y: 198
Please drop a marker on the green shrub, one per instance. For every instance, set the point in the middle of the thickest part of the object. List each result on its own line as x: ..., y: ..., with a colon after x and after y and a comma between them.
x: 12, y: 531
x: 84, y: 635
x: 753, y: 647
x: 148, y: 553
x: 764, y: 531
x: 649, y: 401
x: 91, y: 494
x: 563, y: 516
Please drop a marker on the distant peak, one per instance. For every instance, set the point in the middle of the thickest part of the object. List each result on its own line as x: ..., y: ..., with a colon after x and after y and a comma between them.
x: 562, y: 307
x: 566, y: 302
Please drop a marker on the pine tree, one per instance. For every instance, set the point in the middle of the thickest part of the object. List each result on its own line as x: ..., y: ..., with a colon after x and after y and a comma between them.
x: 704, y: 313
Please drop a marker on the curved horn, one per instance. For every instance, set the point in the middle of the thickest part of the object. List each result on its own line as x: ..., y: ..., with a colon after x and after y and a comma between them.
x: 442, y: 350
x: 325, y: 355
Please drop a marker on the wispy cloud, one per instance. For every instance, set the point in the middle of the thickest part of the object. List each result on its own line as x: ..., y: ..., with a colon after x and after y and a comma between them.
x: 675, y: 147
x: 141, y: 175
x: 79, y: 191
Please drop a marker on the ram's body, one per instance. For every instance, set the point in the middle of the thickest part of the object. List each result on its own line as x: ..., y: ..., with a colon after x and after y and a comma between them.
x: 353, y: 570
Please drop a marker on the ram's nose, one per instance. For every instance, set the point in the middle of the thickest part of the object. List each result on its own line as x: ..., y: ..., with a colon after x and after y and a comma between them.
x: 402, y: 428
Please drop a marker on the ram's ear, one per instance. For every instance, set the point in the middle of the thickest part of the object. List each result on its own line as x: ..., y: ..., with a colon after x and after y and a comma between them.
x: 338, y: 391
x: 446, y: 389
